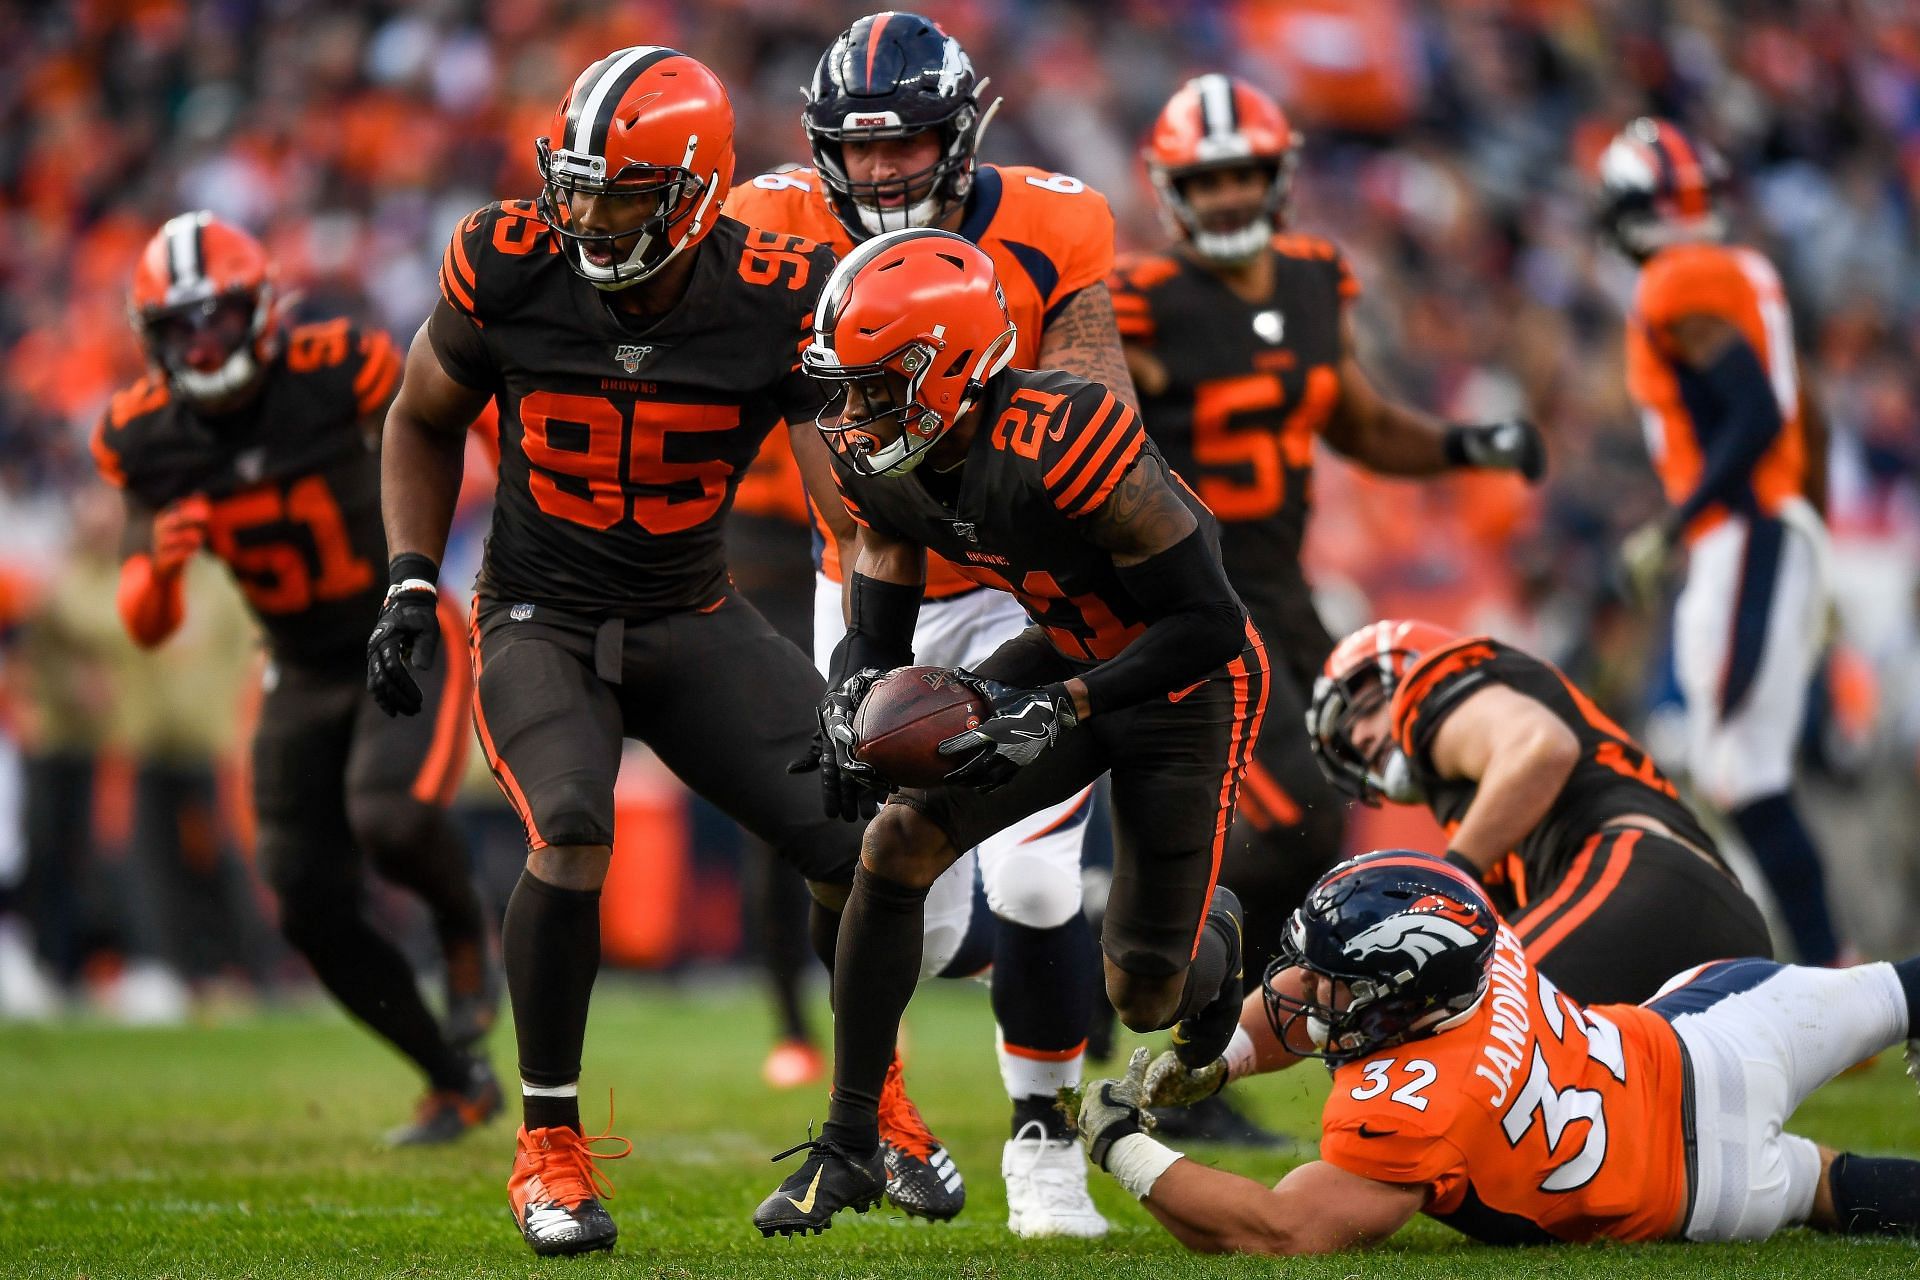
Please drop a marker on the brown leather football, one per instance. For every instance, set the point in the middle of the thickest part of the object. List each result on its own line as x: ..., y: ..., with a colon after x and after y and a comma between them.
x: 900, y: 724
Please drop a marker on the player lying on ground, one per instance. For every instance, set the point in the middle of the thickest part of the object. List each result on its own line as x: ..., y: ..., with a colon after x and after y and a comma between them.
x: 1606, y: 876
x: 261, y: 446
x: 1468, y: 1087
x: 1141, y: 661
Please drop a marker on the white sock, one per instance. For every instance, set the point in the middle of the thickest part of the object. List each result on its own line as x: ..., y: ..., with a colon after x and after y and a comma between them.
x: 1026, y: 1076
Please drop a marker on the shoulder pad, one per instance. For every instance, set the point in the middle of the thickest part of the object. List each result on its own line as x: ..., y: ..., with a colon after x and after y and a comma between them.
x: 488, y: 245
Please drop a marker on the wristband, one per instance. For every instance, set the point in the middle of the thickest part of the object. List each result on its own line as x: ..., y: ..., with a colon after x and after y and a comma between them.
x: 410, y: 566
x: 1137, y: 1161
x: 1466, y: 864
x: 1453, y: 445
x: 1239, y: 1054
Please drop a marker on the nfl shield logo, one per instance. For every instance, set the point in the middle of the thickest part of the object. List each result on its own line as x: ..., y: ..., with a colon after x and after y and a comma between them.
x: 630, y: 356
x: 520, y: 612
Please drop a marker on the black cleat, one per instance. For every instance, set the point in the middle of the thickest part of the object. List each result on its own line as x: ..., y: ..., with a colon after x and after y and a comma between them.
x: 1216, y: 1120
x: 827, y: 1181
x: 922, y: 1179
x: 445, y: 1115
x: 1200, y: 1039
x: 555, y: 1191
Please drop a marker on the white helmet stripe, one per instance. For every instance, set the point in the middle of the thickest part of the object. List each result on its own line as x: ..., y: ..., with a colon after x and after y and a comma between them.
x: 611, y: 84
x: 184, y: 259
x: 1216, y: 104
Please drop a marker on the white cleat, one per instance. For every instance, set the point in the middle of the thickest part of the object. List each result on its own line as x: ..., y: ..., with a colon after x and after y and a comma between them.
x: 1913, y: 1060
x: 1047, y: 1187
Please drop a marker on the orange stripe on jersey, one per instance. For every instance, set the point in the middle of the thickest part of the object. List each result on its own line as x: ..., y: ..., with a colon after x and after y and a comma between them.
x: 1426, y: 673
x: 105, y: 460
x: 1569, y: 883
x: 462, y: 264
x: 1587, y: 903
x: 1079, y: 489
x: 447, y: 753
x: 378, y: 376
x: 1060, y: 469
x: 452, y: 290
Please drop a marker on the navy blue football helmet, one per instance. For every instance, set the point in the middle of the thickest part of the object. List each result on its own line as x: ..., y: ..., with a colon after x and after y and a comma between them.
x: 1407, y: 935
x: 894, y: 75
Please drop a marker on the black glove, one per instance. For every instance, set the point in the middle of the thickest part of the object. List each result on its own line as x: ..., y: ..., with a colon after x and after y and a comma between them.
x: 848, y: 788
x: 407, y: 635
x: 1513, y: 445
x: 1021, y: 723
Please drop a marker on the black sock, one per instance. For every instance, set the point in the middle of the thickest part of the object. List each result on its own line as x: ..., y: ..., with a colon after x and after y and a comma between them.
x: 876, y: 968
x: 1908, y: 971
x: 1779, y: 841
x: 1878, y: 1197
x: 778, y: 916
x: 551, y: 940
x: 823, y: 932
x: 1218, y: 958
x: 1044, y: 1109
x: 1042, y: 988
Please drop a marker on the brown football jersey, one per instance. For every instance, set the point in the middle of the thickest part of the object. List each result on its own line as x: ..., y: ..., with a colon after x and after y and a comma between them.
x: 293, y: 486
x: 621, y: 442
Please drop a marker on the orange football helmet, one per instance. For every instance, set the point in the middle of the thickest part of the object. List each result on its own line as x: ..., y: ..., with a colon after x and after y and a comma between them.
x: 202, y: 302
x: 1358, y: 678
x: 916, y: 320
x: 641, y: 125
x: 1659, y: 187
x: 1220, y: 122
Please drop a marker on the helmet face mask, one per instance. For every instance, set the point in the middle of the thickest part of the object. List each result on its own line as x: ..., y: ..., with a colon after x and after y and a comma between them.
x: 1356, y: 688
x: 1400, y: 945
x: 637, y: 163
x: 1217, y: 124
x: 874, y: 417
x: 204, y: 307
x: 889, y: 77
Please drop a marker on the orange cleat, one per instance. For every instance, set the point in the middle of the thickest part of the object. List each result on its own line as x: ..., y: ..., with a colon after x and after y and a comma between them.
x: 555, y: 1190
x: 793, y: 1063
x: 922, y: 1179
x: 445, y: 1115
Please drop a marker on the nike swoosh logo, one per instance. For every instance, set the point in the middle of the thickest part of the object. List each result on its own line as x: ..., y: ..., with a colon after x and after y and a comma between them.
x: 1179, y: 694
x: 1364, y: 1132
x: 813, y: 1189
x: 1061, y: 430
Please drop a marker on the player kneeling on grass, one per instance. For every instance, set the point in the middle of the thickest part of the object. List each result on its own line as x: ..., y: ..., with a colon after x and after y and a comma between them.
x: 1140, y: 662
x: 1467, y: 1087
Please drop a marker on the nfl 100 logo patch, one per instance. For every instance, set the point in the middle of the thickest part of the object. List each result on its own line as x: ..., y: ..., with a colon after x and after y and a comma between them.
x: 630, y: 355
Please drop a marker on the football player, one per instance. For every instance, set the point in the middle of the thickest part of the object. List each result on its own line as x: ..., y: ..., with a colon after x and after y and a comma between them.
x: 1140, y: 661
x: 1467, y: 1086
x: 1241, y: 344
x: 640, y: 345
x: 1741, y: 452
x: 1608, y: 879
x: 260, y: 445
x: 894, y: 116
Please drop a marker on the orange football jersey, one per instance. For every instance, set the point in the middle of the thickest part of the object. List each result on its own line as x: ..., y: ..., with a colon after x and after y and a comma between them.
x: 1049, y: 236
x: 1741, y: 287
x: 1536, y: 1118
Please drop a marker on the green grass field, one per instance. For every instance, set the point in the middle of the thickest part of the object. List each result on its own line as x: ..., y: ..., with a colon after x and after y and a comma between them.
x: 250, y: 1150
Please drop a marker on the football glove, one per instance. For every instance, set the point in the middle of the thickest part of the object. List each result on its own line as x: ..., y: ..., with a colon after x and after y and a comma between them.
x: 1020, y: 725
x: 1112, y: 1109
x: 407, y: 635
x: 848, y: 789
x: 1171, y: 1083
x: 1513, y: 445
x: 1644, y: 556
x: 179, y: 531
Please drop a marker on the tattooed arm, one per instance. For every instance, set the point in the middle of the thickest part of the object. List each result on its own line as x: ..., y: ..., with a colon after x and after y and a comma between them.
x: 1083, y: 339
x: 1168, y: 565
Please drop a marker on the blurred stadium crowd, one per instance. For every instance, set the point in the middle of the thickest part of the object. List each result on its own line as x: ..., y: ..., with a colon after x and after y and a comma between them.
x: 1449, y: 148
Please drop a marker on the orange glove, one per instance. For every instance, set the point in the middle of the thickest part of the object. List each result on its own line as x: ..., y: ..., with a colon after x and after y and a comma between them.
x: 179, y: 531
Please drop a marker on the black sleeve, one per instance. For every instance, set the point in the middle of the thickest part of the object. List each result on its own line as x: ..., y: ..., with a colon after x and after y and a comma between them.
x: 462, y: 351
x: 880, y: 630
x: 1749, y: 424
x: 1197, y: 624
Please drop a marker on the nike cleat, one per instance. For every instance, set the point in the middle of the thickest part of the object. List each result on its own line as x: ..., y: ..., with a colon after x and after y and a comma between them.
x: 1200, y: 1039
x: 922, y: 1179
x: 827, y: 1181
x: 554, y: 1193
x: 445, y: 1115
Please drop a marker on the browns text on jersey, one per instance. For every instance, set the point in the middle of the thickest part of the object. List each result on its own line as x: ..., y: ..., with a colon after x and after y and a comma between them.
x: 622, y: 444
x: 292, y: 484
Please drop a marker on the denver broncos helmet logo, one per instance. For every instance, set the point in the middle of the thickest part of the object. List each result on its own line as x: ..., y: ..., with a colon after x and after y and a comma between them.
x: 1419, y: 936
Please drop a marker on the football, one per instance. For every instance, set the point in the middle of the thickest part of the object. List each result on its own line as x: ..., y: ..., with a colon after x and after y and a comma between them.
x: 909, y: 712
